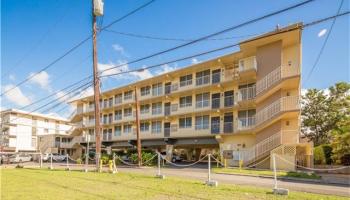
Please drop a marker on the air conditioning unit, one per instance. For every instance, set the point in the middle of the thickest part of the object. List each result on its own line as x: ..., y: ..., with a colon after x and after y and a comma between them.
x: 98, y: 7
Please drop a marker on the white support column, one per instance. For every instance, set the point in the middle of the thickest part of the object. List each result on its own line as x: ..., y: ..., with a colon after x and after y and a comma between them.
x: 114, y: 165
x: 276, y: 190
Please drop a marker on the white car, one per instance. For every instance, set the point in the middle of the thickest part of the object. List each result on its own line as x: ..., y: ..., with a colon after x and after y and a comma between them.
x: 20, y: 158
x: 55, y: 157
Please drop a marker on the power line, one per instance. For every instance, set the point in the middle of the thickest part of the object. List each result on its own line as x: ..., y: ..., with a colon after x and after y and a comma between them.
x: 173, y: 39
x: 77, y: 46
x: 324, y: 44
x: 228, y: 46
x: 214, y: 34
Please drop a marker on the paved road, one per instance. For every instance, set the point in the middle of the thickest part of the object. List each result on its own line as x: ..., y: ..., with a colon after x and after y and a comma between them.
x: 202, y: 174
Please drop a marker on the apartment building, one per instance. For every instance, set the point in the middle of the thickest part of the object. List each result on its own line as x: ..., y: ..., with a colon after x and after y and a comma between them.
x: 244, y: 104
x: 23, y: 131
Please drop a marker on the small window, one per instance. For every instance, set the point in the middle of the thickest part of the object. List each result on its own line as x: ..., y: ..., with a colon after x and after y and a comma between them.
x: 185, y: 101
x: 156, y: 127
x: 128, y: 95
x: 185, y: 122
x: 157, y: 108
x: 127, y: 128
x: 117, y: 131
x: 186, y: 80
x: 144, y: 126
x: 144, y: 109
x: 127, y: 112
x: 145, y: 91
x: 157, y: 89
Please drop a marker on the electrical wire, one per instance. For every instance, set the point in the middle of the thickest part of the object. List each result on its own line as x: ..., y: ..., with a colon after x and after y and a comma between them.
x: 213, y: 34
x: 324, y: 44
x: 76, y: 47
x: 172, y: 39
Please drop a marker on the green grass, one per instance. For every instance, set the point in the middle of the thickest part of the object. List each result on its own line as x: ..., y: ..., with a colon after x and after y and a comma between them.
x: 36, y: 184
x: 266, y: 173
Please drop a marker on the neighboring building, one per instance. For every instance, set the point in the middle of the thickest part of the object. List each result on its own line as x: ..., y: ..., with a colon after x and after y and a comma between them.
x: 244, y: 105
x: 23, y: 131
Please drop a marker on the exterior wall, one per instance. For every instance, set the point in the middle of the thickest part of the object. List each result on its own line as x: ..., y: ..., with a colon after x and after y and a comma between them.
x: 22, y: 129
x: 268, y: 57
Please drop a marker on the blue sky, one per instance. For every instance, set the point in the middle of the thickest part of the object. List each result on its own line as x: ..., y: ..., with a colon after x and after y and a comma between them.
x: 35, y: 32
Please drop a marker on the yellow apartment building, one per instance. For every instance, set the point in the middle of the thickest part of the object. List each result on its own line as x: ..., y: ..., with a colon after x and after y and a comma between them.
x: 244, y: 105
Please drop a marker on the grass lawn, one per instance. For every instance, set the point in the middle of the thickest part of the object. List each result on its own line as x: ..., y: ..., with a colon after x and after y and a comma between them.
x: 36, y: 184
x: 266, y: 173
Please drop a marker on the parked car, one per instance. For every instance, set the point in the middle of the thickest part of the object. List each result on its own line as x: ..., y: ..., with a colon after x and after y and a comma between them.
x: 55, y: 157
x: 17, y: 158
x: 176, y: 158
x: 4, y: 159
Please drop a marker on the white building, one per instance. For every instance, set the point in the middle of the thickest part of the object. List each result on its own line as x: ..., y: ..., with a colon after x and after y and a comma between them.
x: 21, y: 130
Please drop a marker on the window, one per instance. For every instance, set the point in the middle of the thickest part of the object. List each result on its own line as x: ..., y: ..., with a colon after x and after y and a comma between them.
x: 127, y: 112
x: 110, y: 102
x: 157, y: 89
x: 156, y: 127
x: 91, y: 105
x: 203, y: 77
x: 186, y: 80
x: 185, y: 101
x: 128, y: 95
x: 117, y: 131
x: 105, y: 119
x: 127, y: 128
x: 145, y: 91
x: 46, y: 130
x: 156, y: 108
x: 144, y: 126
x: 202, y: 100
x: 118, y: 115
x: 185, y: 122
x: 202, y: 122
x: 118, y: 99
x: 91, y: 132
x: 144, y: 109
x: 110, y: 118
x: 46, y: 120
x: 216, y: 76
x: 229, y: 99
x: 105, y: 103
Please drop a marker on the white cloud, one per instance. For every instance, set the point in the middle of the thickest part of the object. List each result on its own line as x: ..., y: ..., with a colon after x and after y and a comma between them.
x: 322, y: 32
x: 12, y: 77
x: 195, y: 61
x: 120, y: 49
x: 42, y: 79
x: 16, y: 96
x: 122, y: 67
x: 165, y: 69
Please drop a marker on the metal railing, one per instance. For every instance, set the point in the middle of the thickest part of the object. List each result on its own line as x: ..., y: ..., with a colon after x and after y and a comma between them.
x: 228, y: 127
x: 275, y: 76
x: 185, y: 83
x: 228, y: 101
x: 246, y: 123
x: 248, y: 93
x: 283, y: 104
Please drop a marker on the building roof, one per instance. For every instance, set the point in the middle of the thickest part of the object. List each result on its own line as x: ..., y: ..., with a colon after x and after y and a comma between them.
x: 46, y: 116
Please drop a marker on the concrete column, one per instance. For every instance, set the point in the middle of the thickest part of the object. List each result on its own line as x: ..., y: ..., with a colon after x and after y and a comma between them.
x: 197, y: 153
x: 169, y: 152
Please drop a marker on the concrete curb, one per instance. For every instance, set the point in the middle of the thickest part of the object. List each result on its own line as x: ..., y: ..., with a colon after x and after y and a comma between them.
x: 304, y: 180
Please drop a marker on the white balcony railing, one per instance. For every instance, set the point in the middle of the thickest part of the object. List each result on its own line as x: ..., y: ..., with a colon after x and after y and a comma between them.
x: 248, y: 93
x: 283, y: 104
x: 275, y: 76
x: 246, y: 123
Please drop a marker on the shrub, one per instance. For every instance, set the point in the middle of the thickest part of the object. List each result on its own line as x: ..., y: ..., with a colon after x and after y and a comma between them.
x: 145, y: 156
x: 319, y: 157
x: 327, y: 150
x: 105, y: 159
x: 345, y: 160
x: 79, y: 161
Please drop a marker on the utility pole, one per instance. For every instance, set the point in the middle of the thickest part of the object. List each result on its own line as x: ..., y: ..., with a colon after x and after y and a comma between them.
x: 97, y: 10
x: 139, y: 156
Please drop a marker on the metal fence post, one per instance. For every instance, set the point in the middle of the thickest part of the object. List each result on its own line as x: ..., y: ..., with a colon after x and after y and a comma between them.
x: 41, y: 160
x: 86, y: 162
x: 209, y: 181
x: 67, y: 163
x: 159, y: 175
x: 51, y: 167
x: 274, y: 169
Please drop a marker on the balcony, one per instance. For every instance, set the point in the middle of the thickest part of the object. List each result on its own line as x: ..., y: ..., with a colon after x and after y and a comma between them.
x: 288, y: 103
x: 275, y: 76
x: 72, y: 142
x: 246, y: 94
x: 247, y: 64
x: 228, y: 127
x: 245, y: 123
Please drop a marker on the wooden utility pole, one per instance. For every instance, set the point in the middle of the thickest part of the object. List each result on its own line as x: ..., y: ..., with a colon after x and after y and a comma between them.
x: 96, y: 90
x: 139, y: 156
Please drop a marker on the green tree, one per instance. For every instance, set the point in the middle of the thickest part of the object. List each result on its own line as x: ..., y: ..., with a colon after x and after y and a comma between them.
x: 322, y: 113
x: 341, y: 142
